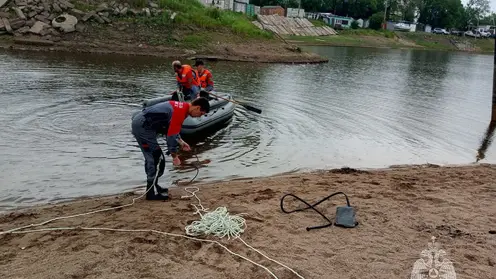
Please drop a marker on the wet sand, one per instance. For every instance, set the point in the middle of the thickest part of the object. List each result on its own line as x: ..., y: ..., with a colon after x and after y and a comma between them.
x: 398, y: 211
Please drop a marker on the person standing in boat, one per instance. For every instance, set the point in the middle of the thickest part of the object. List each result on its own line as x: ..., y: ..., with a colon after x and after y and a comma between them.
x: 188, y: 80
x: 206, y: 81
x: 163, y: 118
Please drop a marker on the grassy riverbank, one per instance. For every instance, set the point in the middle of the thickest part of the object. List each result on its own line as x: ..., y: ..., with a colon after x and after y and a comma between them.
x: 167, y: 28
x: 389, y: 39
x: 398, y: 211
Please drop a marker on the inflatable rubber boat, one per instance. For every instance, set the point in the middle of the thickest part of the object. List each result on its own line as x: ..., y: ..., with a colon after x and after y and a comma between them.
x: 221, y: 112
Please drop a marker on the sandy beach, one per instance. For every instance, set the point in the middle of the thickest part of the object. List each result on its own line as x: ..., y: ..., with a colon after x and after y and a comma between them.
x: 398, y: 210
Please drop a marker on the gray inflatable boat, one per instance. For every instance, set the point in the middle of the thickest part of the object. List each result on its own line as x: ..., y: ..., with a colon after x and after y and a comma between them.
x: 221, y: 111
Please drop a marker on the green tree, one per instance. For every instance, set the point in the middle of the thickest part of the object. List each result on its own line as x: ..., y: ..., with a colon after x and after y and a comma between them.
x: 394, y: 10
x: 283, y: 3
x: 352, y: 8
x: 440, y: 13
x: 476, y: 9
x: 315, y: 5
x: 376, y: 20
x: 362, y: 8
x: 407, y: 10
x: 354, y: 24
x: 488, y: 20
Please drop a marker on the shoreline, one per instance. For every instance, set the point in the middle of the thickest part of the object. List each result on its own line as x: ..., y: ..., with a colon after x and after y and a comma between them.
x: 38, y: 45
x: 392, y: 47
x: 398, y: 40
x: 398, y: 210
x: 311, y: 58
x: 345, y: 170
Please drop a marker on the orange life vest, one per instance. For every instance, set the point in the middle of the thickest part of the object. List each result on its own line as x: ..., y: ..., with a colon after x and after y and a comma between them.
x: 187, y: 72
x: 206, y: 78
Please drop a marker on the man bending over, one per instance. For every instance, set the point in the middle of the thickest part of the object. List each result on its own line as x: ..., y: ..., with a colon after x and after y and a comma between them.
x: 163, y: 118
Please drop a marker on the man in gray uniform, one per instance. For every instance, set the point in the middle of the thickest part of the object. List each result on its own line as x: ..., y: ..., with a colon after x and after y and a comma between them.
x: 163, y: 118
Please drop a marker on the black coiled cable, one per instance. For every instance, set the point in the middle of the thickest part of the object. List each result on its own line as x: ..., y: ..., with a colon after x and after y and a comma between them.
x: 312, y: 206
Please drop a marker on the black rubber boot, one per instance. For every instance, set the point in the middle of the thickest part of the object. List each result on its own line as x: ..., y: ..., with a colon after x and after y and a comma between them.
x: 163, y: 193
x: 150, y: 193
x: 162, y: 190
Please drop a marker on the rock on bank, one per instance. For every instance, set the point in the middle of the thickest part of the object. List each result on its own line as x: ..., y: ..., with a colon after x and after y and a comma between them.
x: 118, y: 27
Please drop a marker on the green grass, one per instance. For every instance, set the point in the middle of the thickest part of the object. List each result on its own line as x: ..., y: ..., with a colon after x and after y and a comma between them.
x: 382, y: 38
x: 423, y: 36
x: 367, y: 32
x: 430, y: 41
x: 325, y: 39
x: 337, y: 40
x: 352, y: 37
x: 441, y: 42
x: 346, y: 37
x: 193, y: 13
x: 317, y: 23
x: 434, y: 45
x: 486, y: 45
x: 180, y: 5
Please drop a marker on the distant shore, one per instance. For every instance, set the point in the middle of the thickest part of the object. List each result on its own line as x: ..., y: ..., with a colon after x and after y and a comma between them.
x: 147, y: 28
x: 153, y: 28
x: 398, y: 209
x: 255, y: 52
x: 397, y: 40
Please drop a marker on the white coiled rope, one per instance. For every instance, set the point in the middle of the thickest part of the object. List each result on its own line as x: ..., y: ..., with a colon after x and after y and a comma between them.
x: 218, y: 223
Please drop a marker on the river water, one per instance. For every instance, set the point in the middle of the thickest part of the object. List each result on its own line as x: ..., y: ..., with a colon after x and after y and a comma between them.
x: 65, y: 132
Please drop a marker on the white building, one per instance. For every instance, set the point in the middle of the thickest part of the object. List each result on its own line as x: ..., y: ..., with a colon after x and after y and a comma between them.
x: 216, y: 3
x: 231, y: 5
x: 240, y: 5
x: 295, y: 12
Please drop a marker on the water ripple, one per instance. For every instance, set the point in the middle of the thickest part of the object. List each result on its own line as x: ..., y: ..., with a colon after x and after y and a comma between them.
x: 66, y: 118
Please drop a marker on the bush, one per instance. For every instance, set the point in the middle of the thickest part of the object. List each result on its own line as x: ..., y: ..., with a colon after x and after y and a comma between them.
x: 389, y: 34
x: 354, y: 24
x: 376, y: 21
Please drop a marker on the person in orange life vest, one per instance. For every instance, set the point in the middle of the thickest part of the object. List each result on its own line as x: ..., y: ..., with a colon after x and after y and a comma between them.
x: 205, y: 75
x: 163, y: 118
x: 187, y: 80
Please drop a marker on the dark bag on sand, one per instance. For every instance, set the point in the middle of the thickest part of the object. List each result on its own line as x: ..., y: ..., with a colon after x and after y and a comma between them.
x: 345, y: 215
